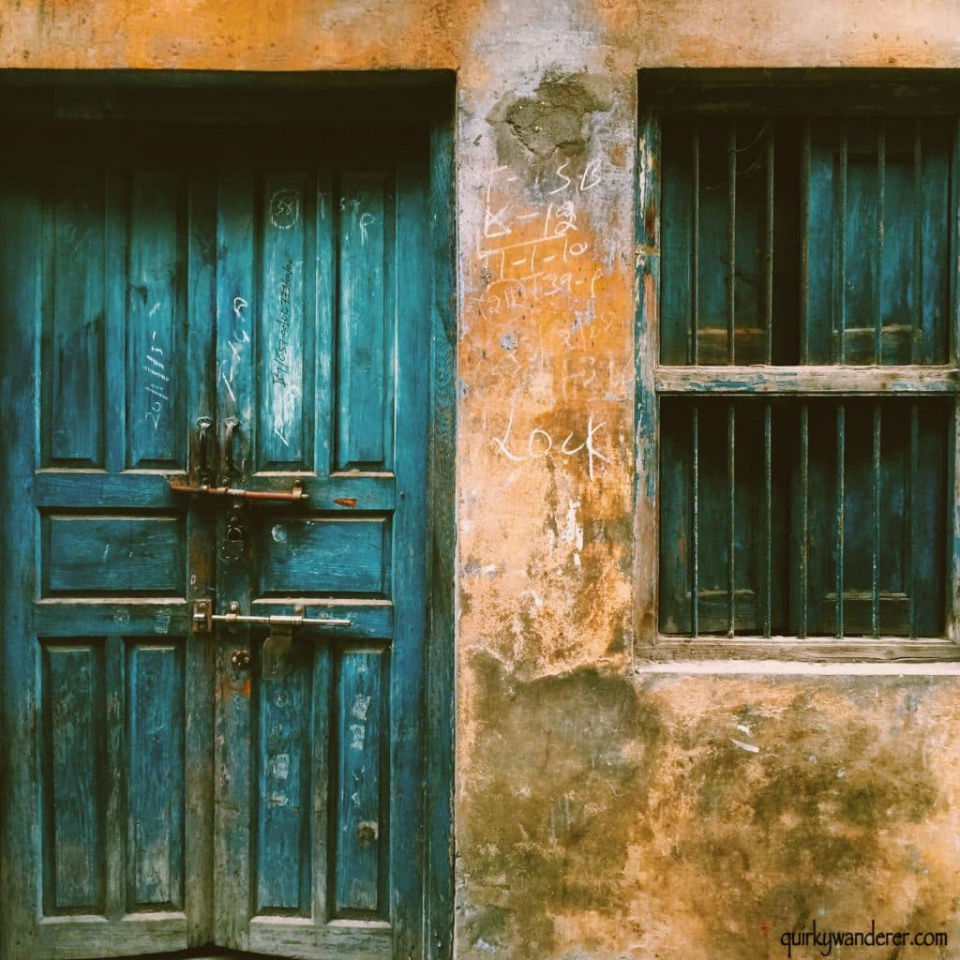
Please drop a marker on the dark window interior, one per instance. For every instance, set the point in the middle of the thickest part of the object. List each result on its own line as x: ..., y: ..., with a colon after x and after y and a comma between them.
x: 802, y: 241
x: 792, y: 241
x: 807, y: 498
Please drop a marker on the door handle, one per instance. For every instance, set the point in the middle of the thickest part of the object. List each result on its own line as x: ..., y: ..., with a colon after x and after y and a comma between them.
x: 204, y: 618
x: 203, y: 473
x: 203, y: 449
x: 229, y: 443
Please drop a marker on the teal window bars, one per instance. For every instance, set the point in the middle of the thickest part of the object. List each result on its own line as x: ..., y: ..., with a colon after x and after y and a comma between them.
x: 805, y: 383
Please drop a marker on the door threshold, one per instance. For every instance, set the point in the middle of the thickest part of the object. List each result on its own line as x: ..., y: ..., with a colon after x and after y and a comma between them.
x: 203, y: 953
x: 199, y: 953
x: 228, y: 955
x: 213, y: 953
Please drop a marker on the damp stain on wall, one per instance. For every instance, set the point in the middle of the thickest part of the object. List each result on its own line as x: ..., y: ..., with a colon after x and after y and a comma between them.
x: 703, y: 817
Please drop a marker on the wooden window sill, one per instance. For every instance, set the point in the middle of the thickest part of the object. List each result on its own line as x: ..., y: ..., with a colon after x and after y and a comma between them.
x: 821, y: 649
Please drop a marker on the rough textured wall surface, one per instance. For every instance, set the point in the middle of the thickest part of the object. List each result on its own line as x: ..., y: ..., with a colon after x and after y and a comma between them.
x: 697, y: 817
x: 603, y: 811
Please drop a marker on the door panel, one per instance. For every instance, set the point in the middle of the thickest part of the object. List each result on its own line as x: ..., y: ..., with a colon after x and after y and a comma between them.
x: 363, y: 715
x: 74, y: 737
x: 179, y: 303
x: 75, y: 675
x: 364, y: 328
x: 287, y: 408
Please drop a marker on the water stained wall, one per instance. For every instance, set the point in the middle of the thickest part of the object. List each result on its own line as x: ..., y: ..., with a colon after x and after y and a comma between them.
x: 603, y: 810
x: 705, y: 817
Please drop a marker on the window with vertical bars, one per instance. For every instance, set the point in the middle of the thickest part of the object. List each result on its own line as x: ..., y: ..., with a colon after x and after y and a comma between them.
x: 806, y: 375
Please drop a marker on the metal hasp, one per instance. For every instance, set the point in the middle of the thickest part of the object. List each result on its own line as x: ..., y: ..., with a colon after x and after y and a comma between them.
x: 296, y: 494
x: 204, y: 618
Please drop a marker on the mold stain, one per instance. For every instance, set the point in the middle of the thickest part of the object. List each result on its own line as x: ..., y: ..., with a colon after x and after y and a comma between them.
x: 545, y: 832
x: 599, y: 812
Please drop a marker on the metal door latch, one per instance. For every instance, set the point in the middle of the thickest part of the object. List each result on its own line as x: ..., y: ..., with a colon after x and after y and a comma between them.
x: 296, y: 494
x: 204, y: 618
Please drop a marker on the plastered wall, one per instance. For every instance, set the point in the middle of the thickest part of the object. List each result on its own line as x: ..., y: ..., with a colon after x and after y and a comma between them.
x: 604, y: 809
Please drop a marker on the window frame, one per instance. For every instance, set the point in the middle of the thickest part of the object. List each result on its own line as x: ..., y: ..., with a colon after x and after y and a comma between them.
x: 729, y: 92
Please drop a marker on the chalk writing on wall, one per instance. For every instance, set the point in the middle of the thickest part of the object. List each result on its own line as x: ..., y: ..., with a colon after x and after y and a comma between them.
x: 540, y: 443
x: 522, y: 265
x: 535, y: 247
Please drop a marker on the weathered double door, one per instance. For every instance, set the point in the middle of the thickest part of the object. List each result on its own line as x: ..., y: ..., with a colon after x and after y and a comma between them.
x: 190, y: 317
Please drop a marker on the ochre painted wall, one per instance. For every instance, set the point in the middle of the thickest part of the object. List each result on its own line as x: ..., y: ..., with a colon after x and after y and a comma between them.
x: 605, y: 809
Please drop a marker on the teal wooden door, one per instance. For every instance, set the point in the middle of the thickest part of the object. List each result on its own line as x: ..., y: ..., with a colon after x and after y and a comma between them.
x: 321, y: 359
x: 241, y: 310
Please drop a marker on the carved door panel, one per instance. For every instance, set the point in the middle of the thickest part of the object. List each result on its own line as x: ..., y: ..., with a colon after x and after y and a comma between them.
x: 239, y: 310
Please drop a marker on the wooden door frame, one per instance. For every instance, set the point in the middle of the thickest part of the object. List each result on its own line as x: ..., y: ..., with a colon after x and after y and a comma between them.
x: 391, y: 99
